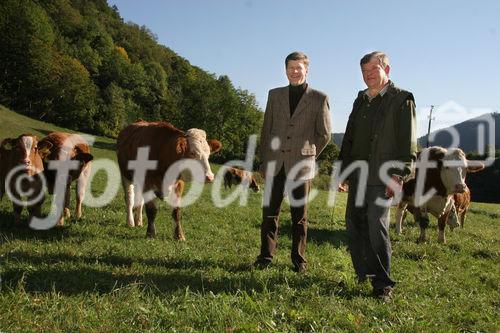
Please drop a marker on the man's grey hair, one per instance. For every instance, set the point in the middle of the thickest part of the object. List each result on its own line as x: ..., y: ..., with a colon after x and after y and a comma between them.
x: 381, y: 56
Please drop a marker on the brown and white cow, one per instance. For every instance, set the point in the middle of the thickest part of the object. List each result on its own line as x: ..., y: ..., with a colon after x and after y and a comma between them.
x: 21, y: 173
x: 69, y: 147
x: 234, y: 176
x: 167, y: 145
x: 447, y: 179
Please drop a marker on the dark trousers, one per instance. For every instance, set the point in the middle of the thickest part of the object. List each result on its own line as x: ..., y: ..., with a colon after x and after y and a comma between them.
x: 270, y: 219
x: 368, y: 236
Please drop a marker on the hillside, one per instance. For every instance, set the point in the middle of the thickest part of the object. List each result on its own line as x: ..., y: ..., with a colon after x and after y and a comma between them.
x: 77, y: 64
x: 13, y: 124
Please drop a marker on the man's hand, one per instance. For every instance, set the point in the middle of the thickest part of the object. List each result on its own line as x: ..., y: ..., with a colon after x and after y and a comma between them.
x: 394, y: 186
x: 343, y: 187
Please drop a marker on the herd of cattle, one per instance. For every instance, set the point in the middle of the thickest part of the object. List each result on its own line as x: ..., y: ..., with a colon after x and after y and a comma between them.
x: 25, y: 171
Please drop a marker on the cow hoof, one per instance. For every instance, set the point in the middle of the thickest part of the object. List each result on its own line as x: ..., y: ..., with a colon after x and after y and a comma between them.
x: 151, y: 235
x: 60, y: 223
x: 139, y: 224
x: 180, y: 238
x: 67, y: 213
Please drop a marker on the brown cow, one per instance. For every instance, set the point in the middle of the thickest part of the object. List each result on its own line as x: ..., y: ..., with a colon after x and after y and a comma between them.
x: 69, y: 147
x: 462, y: 204
x: 21, y: 173
x: 237, y: 176
x: 167, y: 145
x: 448, y: 179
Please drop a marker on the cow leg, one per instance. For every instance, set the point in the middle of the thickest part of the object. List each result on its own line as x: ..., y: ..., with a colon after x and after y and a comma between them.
x: 462, y: 218
x: 423, y: 221
x: 35, y: 207
x: 176, y: 213
x: 128, y: 189
x: 151, y: 211
x: 441, y: 225
x: 17, y: 213
x: 138, y: 205
x: 400, y: 214
x: 66, y: 212
x: 81, y: 186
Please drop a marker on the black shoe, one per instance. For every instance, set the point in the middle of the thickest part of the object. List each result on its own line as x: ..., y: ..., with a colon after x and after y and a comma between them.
x: 385, y: 294
x: 301, y: 268
x: 261, y: 264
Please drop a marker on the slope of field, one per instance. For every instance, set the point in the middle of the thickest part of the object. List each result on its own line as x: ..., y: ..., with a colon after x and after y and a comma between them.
x: 98, y: 275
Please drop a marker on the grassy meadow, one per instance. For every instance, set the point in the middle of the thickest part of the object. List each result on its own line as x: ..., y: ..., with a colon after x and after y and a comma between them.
x: 98, y: 275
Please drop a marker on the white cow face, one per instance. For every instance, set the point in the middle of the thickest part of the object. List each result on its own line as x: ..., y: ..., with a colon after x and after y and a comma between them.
x: 455, y: 168
x: 200, y: 149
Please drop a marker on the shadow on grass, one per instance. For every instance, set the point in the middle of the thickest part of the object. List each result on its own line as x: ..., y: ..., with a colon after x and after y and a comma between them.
x: 181, y: 274
x: 8, y: 230
x: 337, y: 238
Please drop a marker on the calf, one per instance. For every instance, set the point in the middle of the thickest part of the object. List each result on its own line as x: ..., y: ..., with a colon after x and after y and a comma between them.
x: 237, y: 176
x: 21, y: 173
x: 69, y: 147
x: 448, y: 179
x: 167, y: 145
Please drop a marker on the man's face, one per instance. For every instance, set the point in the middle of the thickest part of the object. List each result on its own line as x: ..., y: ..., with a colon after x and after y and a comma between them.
x: 374, y: 75
x: 296, y: 72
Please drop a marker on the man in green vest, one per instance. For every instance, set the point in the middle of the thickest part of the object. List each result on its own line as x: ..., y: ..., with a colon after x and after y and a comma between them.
x: 380, y: 136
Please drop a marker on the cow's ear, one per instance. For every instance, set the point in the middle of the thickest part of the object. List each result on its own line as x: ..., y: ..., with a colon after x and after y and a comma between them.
x: 215, y: 146
x: 474, y: 166
x: 84, y: 157
x: 182, y: 145
x: 44, y: 148
x: 7, y: 144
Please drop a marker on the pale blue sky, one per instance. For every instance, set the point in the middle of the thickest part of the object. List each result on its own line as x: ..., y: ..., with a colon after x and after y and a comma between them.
x: 440, y: 50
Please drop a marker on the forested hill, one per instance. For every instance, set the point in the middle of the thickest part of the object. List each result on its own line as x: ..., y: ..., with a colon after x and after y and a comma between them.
x: 77, y: 64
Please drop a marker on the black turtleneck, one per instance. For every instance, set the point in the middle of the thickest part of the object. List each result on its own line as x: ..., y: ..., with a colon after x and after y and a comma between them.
x: 295, y: 94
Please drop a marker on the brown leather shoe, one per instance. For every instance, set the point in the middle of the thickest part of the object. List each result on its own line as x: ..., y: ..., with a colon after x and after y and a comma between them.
x: 385, y: 294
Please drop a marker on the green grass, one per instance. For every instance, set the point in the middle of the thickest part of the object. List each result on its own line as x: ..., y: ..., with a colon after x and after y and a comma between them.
x: 98, y: 275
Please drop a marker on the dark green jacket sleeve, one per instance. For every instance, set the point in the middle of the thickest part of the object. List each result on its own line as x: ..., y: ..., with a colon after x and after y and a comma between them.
x: 405, y: 129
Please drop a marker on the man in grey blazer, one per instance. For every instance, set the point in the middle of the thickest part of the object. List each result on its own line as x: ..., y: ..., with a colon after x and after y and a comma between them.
x: 296, y: 129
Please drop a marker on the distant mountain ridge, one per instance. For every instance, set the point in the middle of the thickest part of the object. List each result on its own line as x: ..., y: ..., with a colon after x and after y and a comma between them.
x: 467, y: 130
x: 337, y: 138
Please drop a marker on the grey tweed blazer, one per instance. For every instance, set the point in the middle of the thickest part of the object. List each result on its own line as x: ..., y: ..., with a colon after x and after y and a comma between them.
x: 299, y: 139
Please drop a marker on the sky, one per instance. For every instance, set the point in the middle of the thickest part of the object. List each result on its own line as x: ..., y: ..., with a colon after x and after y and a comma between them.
x: 447, y: 53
